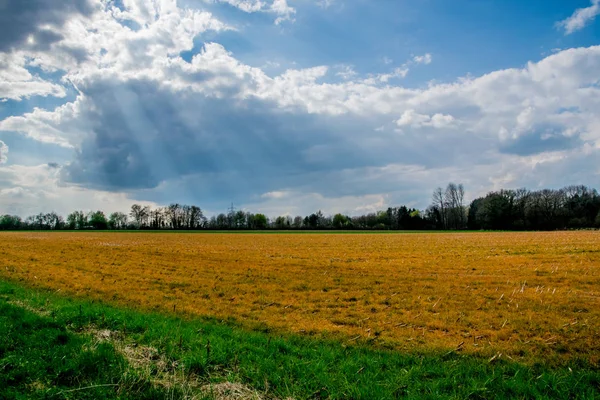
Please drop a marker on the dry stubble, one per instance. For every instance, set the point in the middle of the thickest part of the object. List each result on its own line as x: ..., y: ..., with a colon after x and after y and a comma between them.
x: 528, y: 296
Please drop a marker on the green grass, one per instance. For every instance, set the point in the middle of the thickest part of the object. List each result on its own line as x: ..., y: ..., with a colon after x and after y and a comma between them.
x: 47, y: 350
x: 41, y: 358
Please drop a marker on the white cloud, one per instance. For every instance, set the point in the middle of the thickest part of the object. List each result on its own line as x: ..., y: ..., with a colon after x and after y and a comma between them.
x: 399, y: 72
x: 295, y: 203
x: 580, y: 18
x: 413, y: 119
x: 424, y: 59
x: 3, y: 152
x: 278, y: 194
x: 16, y: 82
x: 105, y: 42
x: 28, y: 190
x: 489, y: 102
x: 346, y: 72
x: 278, y: 7
x: 270, y: 65
x: 325, y: 3
x: 283, y: 10
x: 65, y: 126
x: 483, y: 105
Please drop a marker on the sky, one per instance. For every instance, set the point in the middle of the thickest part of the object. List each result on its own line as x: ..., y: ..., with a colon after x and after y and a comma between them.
x: 286, y: 107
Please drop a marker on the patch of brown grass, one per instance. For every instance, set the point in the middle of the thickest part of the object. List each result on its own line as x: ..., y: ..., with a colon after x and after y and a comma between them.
x: 230, y: 391
x: 525, y: 295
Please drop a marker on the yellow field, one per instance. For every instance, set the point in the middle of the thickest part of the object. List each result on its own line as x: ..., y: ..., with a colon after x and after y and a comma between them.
x: 528, y: 296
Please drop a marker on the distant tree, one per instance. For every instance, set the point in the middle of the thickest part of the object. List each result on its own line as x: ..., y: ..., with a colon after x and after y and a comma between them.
x: 175, y: 215
x: 221, y: 222
x: 434, y: 217
x: 45, y: 221
x: 340, y: 221
x: 54, y: 221
x: 158, y: 218
x: 383, y: 221
x: 280, y: 222
x: 196, y: 218
x: 574, y: 207
x: 10, y: 222
x: 98, y: 220
x: 582, y: 204
x: 454, y: 206
x: 137, y: 214
x: 403, y: 218
x: 496, y: 211
x: 448, y: 208
x: 212, y: 222
x: 520, y: 200
x: 239, y: 219
x: 315, y: 220
x: 249, y: 221
x: 117, y: 220
x: 438, y: 207
x: 297, y: 223
x: 544, y: 211
x: 260, y: 221
x: 472, y: 218
x: 140, y: 215
x: 77, y: 220
x: 368, y: 221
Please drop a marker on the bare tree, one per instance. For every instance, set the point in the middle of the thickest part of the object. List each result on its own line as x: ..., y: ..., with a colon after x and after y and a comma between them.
x: 175, y: 214
x: 117, y: 220
x: 140, y: 215
x: 439, y: 203
x: 196, y: 218
x: 297, y: 224
x: 454, y: 206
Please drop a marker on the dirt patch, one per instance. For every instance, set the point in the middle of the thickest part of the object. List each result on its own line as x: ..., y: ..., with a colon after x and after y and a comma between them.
x: 146, y: 359
x: 42, y: 312
x: 230, y: 391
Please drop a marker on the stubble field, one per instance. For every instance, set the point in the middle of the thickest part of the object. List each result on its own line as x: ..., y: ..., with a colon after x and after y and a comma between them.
x: 522, y: 296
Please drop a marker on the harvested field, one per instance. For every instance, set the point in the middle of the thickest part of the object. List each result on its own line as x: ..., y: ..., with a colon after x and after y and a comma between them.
x: 525, y: 296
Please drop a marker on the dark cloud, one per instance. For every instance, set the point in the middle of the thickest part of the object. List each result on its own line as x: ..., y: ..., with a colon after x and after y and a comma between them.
x: 144, y: 135
x: 21, y: 18
x: 190, y: 146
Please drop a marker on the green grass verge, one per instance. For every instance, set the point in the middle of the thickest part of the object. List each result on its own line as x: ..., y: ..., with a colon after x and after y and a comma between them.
x: 48, y: 350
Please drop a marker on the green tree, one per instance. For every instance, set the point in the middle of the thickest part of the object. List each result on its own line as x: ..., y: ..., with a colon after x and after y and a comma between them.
x: 340, y: 221
x: 10, y: 222
x: 77, y: 220
x: 98, y: 220
x: 260, y: 221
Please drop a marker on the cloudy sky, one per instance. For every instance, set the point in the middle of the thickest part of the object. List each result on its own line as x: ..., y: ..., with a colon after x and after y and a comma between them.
x: 290, y: 106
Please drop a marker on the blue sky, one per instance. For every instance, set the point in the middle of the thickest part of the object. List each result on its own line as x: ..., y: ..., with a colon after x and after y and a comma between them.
x: 290, y: 106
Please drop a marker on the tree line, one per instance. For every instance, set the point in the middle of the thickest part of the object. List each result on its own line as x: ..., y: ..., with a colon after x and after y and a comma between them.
x: 573, y: 207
